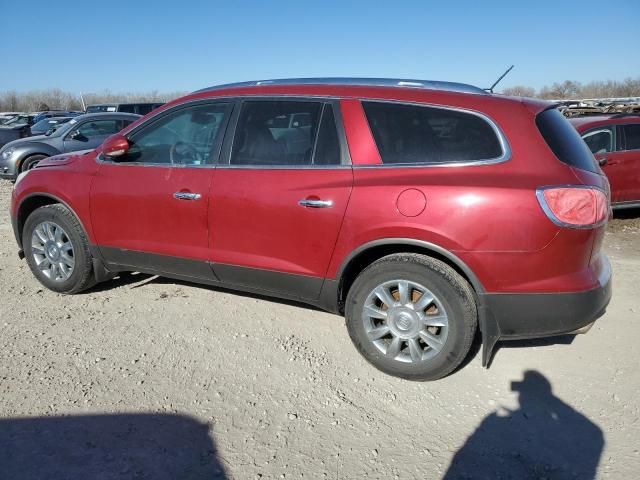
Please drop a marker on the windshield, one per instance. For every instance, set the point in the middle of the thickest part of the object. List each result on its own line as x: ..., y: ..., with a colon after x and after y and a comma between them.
x: 65, y: 128
x: 17, y: 120
x: 47, y: 123
x: 100, y: 108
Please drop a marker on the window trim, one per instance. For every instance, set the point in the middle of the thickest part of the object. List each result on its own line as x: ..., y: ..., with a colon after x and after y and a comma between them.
x: 502, y: 139
x: 623, y: 136
x: 602, y: 128
x: 215, y: 148
x: 345, y: 158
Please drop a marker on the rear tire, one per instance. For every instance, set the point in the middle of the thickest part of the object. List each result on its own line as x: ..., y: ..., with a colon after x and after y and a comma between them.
x: 57, y: 249
x: 404, y: 333
x: 30, y: 162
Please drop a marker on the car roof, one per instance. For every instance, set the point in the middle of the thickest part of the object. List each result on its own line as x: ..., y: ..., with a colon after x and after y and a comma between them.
x: 585, y: 122
x: 402, y: 90
x: 355, y: 81
x: 107, y: 116
x: 117, y: 104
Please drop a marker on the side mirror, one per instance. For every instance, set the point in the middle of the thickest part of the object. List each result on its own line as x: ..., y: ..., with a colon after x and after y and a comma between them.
x: 76, y: 135
x: 115, y: 146
x: 49, y: 132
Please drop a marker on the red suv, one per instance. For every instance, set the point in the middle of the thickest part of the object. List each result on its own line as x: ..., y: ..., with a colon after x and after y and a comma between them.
x: 422, y: 211
x: 615, y: 142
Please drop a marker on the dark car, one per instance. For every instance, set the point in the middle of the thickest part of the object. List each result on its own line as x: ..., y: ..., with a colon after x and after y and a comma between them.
x: 47, y: 124
x: 84, y: 132
x: 138, y: 108
x: 17, y: 127
x: 421, y: 211
x: 615, y: 142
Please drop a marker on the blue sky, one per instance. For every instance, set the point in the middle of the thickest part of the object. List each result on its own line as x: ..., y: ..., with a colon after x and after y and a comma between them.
x: 141, y: 45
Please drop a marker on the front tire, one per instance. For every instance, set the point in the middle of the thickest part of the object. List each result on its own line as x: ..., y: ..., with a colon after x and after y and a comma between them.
x: 57, y: 249
x: 30, y: 162
x: 411, y: 316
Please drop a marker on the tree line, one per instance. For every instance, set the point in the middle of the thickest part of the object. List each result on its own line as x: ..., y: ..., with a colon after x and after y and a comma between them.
x: 57, y: 99
x: 569, y: 89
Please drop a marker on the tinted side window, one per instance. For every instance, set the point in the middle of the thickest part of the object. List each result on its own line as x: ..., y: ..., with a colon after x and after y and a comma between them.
x: 98, y: 128
x: 417, y: 134
x: 276, y: 133
x: 631, y: 136
x: 564, y: 141
x: 127, y: 108
x: 185, y: 136
x: 599, y: 141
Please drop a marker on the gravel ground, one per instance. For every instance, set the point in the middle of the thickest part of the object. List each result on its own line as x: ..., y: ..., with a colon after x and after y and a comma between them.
x: 144, y: 377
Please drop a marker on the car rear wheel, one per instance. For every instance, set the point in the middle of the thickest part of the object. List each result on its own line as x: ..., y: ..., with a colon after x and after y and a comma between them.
x: 57, y: 249
x: 411, y: 316
x: 30, y: 162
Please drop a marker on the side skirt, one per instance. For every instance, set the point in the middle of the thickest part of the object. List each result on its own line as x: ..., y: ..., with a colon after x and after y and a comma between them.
x: 315, y: 291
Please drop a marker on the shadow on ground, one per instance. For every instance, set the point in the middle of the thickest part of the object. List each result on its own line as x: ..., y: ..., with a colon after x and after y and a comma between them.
x: 128, y: 446
x: 544, y: 438
x: 138, y: 280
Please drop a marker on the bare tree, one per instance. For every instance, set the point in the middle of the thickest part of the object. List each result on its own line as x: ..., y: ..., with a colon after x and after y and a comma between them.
x: 520, y: 91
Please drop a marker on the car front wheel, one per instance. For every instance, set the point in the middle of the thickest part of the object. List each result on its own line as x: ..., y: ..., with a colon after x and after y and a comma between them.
x: 31, y: 162
x: 57, y: 249
x: 411, y: 316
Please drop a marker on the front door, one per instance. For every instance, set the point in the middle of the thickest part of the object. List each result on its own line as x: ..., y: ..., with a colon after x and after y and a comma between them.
x: 279, y: 196
x: 149, y: 208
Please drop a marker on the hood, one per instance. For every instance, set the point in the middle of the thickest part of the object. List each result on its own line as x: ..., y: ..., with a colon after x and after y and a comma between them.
x: 61, y: 159
x: 21, y: 141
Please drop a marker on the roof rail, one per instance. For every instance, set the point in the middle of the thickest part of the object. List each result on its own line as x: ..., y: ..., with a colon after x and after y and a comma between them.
x: 350, y: 81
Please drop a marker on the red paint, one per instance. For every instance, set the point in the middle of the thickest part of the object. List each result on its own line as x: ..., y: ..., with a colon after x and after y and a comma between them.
x: 622, y: 168
x: 486, y: 215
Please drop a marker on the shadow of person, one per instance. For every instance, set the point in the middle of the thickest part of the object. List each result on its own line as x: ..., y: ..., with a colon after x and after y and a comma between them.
x: 140, y: 446
x: 544, y: 438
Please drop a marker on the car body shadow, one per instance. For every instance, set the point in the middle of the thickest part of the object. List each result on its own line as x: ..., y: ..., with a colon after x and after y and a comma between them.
x: 122, y: 446
x: 139, y: 280
x: 543, y: 438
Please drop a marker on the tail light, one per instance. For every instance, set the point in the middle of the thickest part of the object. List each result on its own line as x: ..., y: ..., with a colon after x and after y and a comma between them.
x: 574, y: 206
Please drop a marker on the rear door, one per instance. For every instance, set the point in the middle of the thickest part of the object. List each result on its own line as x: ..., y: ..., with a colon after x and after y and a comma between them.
x: 626, y: 162
x: 279, y: 196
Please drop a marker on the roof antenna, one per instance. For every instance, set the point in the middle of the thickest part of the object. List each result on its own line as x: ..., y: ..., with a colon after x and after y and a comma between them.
x: 490, y: 89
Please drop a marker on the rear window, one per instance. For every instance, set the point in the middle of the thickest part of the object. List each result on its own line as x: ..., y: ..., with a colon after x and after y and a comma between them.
x: 407, y: 134
x: 564, y: 141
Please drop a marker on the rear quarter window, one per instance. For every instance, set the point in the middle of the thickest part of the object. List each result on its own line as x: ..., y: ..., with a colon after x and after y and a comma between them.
x: 564, y: 141
x: 415, y: 134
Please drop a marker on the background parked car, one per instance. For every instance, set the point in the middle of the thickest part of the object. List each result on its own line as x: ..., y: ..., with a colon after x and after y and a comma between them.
x: 6, y: 116
x: 17, y: 127
x: 84, y: 132
x: 55, y: 113
x: 43, y: 126
x: 137, y: 108
x: 615, y: 142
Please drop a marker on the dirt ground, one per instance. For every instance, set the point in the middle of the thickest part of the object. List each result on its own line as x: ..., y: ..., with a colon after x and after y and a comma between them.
x: 144, y: 377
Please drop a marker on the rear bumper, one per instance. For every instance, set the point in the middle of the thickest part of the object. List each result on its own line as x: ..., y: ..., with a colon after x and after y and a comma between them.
x: 506, y: 316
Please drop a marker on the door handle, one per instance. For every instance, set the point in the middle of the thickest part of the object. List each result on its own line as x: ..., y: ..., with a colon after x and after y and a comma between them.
x: 186, y: 196
x: 311, y: 203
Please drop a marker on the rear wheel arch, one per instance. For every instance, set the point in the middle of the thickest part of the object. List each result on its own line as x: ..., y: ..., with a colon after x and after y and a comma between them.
x: 368, y: 253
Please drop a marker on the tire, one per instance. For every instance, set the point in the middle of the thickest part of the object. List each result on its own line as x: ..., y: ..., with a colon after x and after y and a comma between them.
x: 30, y: 162
x: 52, y: 236
x: 402, y: 337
